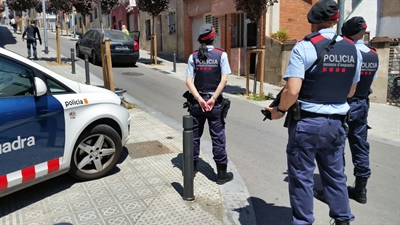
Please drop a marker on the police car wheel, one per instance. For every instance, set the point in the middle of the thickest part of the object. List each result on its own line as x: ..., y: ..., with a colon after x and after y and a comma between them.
x: 96, y: 153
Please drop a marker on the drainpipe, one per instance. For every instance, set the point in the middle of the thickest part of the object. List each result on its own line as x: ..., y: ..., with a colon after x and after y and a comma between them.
x: 245, y: 43
x: 355, y: 7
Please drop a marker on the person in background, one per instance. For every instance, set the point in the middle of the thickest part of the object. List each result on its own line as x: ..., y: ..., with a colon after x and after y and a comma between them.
x: 318, y: 89
x: 206, y: 77
x: 123, y: 28
x: 31, y: 31
x: 13, y: 24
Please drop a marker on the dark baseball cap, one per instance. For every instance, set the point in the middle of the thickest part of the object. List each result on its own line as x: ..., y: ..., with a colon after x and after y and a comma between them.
x: 353, y: 26
x: 206, y: 32
x: 323, y: 10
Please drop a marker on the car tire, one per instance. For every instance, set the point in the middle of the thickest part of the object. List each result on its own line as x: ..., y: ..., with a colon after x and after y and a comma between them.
x: 95, y: 153
x: 133, y: 64
x: 95, y: 61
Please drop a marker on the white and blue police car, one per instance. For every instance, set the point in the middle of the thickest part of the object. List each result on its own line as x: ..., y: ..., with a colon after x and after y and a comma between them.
x: 50, y: 125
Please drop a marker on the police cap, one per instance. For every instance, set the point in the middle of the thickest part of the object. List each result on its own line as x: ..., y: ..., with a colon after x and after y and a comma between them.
x: 353, y: 26
x: 323, y: 10
x: 206, y: 32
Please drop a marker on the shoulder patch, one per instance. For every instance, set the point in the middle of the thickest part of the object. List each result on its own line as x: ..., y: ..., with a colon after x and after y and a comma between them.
x: 372, y: 49
x: 309, y: 36
x: 348, y: 39
x: 219, y: 50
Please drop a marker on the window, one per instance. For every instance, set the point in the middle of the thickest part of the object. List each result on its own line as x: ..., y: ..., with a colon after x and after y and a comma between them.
x: 55, y: 88
x: 172, y: 22
x: 213, y: 20
x: 148, y: 31
x: 95, y: 13
x: 91, y: 17
x: 15, y: 79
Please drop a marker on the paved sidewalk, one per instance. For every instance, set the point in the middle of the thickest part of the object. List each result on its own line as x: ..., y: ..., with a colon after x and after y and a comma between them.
x: 146, y: 187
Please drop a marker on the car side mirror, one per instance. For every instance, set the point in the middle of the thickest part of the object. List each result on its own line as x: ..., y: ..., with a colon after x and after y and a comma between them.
x: 40, y: 87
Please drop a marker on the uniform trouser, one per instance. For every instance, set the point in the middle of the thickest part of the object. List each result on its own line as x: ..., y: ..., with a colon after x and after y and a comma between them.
x: 32, y: 42
x: 216, y: 128
x: 357, y: 136
x: 321, y: 139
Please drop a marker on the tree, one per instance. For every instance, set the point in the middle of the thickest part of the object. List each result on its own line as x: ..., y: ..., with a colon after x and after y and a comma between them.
x: 21, y: 5
x: 153, y: 8
x: 254, y: 9
x: 108, y: 5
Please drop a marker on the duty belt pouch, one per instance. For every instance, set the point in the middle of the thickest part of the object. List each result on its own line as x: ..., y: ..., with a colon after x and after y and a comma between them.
x: 189, y: 99
x: 293, y: 114
x: 225, y: 105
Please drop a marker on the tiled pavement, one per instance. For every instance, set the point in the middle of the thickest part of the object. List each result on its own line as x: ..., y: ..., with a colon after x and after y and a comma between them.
x: 145, y: 188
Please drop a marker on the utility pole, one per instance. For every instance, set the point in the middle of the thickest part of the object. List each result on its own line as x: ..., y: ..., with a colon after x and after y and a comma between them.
x: 73, y: 21
x: 341, y: 16
x: 46, y: 46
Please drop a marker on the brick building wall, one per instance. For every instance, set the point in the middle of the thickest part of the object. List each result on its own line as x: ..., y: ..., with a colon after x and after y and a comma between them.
x: 293, y: 17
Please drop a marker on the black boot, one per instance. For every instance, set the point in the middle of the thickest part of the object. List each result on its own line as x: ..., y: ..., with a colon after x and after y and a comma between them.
x: 359, y: 191
x: 337, y: 222
x: 223, y: 176
x: 319, y: 194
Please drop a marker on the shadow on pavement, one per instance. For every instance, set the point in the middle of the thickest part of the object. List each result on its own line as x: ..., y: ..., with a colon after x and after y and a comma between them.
x: 202, y: 167
x: 266, y: 213
x: 29, y: 196
x: 6, y: 37
x: 234, y: 89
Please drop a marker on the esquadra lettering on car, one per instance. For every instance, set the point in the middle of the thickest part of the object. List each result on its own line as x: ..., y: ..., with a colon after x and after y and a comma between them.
x: 17, y: 144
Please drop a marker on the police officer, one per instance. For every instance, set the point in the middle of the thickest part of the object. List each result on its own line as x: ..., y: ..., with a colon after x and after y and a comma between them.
x: 355, y: 28
x: 319, y: 135
x: 206, y: 76
x: 31, y: 31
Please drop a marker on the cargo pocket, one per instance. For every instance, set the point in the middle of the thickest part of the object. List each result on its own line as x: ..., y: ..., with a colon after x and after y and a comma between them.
x: 340, y: 137
x: 307, y: 135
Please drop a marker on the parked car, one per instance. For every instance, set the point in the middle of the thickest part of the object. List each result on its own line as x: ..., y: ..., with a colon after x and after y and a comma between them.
x: 50, y: 125
x: 124, y: 49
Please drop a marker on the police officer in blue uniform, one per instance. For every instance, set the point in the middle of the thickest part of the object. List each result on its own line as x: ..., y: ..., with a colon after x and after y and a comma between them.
x: 318, y: 133
x: 206, y: 77
x: 355, y: 28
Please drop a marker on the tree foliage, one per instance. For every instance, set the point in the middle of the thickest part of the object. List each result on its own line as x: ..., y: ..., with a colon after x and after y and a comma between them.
x: 84, y: 7
x: 152, y: 7
x: 21, y: 5
x: 63, y: 6
x: 39, y: 6
x: 108, y: 5
x: 254, y: 8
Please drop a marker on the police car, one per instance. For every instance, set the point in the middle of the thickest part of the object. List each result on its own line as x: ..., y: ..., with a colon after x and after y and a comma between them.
x: 50, y: 125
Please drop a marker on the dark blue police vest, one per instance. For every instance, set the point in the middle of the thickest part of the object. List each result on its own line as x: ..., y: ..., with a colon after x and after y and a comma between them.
x: 368, y: 69
x: 208, y: 72
x: 331, y: 80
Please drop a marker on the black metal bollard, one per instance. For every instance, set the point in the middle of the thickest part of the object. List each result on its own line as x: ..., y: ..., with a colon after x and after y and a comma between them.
x: 188, y: 167
x: 174, y: 65
x: 73, y: 60
x: 87, y: 70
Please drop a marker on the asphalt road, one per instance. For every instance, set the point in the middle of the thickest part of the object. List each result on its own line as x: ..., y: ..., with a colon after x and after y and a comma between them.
x: 257, y: 148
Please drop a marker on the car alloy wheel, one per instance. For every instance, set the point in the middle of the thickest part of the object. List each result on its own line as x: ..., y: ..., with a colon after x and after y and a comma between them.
x: 96, y: 153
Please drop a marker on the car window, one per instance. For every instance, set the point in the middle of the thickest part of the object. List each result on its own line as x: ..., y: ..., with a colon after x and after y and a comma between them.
x: 87, y: 35
x: 116, y: 35
x: 55, y: 88
x: 15, y: 79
